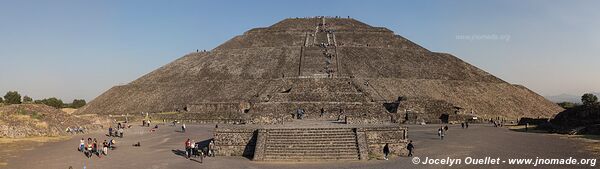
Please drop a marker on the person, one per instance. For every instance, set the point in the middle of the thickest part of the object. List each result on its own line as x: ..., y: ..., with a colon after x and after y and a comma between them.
x: 121, y: 132
x: 386, y: 151
x: 211, y: 148
x: 467, y: 124
x: 441, y: 132
x: 144, y: 123
x: 119, y: 125
x: 148, y: 123
x: 105, y: 148
x: 341, y: 114
x: 199, y: 152
x: 81, y: 145
x: 183, y: 127
x: 526, y: 127
x: 110, y: 131
x: 187, y: 148
x: 193, y: 149
x: 89, y: 148
x: 111, y: 144
x: 410, y: 148
x: 462, y: 125
x: 298, y: 113
x: 322, y: 112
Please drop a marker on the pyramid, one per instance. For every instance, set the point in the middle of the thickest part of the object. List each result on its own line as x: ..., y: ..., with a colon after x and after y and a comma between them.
x: 328, y: 66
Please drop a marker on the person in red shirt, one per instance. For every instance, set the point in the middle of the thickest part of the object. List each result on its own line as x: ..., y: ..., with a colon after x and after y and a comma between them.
x: 188, y: 148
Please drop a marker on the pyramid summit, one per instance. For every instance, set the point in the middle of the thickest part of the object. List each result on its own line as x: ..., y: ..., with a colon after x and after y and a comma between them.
x: 330, y: 67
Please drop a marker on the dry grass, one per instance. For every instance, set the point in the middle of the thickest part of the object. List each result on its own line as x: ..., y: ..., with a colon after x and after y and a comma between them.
x: 591, y: 142
x: 521, y: 128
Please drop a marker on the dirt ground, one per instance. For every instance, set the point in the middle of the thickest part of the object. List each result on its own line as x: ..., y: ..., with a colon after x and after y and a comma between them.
x: 161, y: 149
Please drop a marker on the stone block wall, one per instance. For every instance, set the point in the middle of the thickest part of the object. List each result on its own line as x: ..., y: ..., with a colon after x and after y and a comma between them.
x: 377, y: 137
x: 235, y: 141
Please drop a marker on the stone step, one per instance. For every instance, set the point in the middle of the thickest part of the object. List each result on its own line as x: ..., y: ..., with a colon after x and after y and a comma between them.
x: 324, y: 139
x: 346, y: 133
x: 311, y: 136
x: 316, y: 130
x: 310, y: 158
x: 288, y: 145
x: 353, y: 148
x: 293, y: 142
x: 313, y: 151
x: 322, y: 154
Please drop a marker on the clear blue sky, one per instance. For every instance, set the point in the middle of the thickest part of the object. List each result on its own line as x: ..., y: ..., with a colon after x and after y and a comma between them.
x: 79, y: 49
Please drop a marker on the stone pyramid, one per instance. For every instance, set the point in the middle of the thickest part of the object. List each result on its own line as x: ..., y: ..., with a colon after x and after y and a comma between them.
x: 339, y: 66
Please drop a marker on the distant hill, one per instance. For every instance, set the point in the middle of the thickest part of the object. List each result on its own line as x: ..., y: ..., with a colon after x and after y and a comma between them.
x: 568, y: 98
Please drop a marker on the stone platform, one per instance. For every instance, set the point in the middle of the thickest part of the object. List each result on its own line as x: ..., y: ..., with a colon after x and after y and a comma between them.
x: 310, y: 140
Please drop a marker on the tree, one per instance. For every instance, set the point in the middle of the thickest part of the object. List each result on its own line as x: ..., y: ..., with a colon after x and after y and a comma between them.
x: 1, y: 100
x: 77, y: 103
x: 589, y: 99
x: 12, y: 97
x: 27, y: 99
x: 54, y: 102
x: 567, y: 105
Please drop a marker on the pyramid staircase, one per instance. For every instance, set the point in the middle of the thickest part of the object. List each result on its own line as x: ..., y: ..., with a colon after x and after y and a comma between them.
x: 309, y: 144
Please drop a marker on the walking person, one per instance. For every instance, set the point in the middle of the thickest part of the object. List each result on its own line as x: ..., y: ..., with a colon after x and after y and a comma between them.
x: 211, y: 148
x: 193, y: 149
x: 386, y: 151
x: 410, y: 148
x: 187, y: 148
x: 183, y: 127
x: 121, y: 132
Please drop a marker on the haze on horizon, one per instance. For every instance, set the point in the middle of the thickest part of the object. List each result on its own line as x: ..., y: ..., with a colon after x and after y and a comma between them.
x: 79, y: 49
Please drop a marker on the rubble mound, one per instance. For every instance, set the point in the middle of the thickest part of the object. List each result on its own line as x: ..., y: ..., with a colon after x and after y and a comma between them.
x: 25, y: 120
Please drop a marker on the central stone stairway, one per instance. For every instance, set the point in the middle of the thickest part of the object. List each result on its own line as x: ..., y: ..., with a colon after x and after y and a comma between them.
x: 310, y: 144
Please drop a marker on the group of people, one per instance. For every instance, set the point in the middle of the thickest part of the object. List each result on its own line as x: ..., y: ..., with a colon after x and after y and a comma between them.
x: 442, y: 131
x: 299, y: 113
x: 386, y: 150
x: 194, y: 149
x: 464, y: 125
x: 116, y: 132
x: 91, y: 147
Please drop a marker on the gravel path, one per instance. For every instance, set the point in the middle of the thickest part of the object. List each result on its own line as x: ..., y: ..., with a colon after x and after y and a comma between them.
x: 159, y: 150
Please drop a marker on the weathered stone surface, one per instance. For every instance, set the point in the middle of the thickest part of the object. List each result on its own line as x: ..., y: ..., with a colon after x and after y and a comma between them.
x: 333, y: 64
x: 341, y: 142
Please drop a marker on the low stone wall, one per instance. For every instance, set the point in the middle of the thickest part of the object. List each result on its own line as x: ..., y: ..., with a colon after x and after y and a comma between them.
x: 242, y: 141
x: 377, y: 137
x: 235, y: 141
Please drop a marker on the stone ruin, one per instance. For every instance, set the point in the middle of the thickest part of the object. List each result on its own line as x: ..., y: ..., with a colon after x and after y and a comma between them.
x: 345, y: 67
x: 338, y: 70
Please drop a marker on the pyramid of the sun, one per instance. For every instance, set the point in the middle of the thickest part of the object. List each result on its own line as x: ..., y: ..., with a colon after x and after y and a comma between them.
x: 340, y: 65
